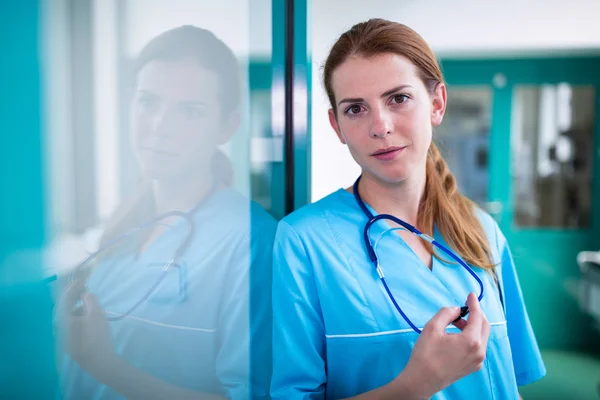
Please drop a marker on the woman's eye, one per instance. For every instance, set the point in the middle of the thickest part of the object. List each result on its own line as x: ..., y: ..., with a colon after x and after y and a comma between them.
x: 400, y: 98
x: 147, y: 103
x: 353, y: 110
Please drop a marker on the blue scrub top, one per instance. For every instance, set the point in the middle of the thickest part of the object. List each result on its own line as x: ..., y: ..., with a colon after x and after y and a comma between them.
x: 336, y: 332
x: 208, y: 326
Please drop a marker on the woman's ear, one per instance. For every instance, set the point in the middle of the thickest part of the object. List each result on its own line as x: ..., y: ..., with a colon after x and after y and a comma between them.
x: 438, y: 102
x: 334, y: 124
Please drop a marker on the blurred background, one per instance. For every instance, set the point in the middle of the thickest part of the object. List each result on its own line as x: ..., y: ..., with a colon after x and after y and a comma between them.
x: 520, y: 135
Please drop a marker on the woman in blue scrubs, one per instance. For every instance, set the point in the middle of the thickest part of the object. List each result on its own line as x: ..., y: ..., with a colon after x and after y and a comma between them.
x: 338, y: 332
x: 205, y: 331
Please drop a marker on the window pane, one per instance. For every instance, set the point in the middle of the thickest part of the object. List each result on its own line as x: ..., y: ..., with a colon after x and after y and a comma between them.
x: 552, y: 150
x: 463, y: 139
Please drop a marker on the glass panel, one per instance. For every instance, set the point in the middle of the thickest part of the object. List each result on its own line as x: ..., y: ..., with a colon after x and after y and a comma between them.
x: 463, y: 139
x: 94, y: 52
x: 267, y: 149
x: 252, y: 153
x: 168, y: 176
x: 552, y: 150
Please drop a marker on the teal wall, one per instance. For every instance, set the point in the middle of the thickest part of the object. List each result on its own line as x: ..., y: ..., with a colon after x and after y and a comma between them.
x: 27, y: 366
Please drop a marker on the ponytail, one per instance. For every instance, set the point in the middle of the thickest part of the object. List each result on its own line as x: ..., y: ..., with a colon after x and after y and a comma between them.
x: 453, y: 213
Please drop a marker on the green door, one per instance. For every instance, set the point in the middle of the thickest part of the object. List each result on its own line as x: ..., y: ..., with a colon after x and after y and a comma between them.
x: 522, y: 138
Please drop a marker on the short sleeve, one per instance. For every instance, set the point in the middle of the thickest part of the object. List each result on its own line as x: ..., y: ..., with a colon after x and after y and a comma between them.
x: 527, y: 360
x: 298, y: 331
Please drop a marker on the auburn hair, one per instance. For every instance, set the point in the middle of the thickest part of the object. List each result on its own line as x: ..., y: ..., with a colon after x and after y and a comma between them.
x: 442, y: 204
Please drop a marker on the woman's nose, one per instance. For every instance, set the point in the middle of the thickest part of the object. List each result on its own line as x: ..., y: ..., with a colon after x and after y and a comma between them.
x: 162, y: 124
x: 382, y: 124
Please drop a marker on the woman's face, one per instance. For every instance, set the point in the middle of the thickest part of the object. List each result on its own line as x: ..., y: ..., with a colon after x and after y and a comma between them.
x: 177, y: 120
x: 385, y: 115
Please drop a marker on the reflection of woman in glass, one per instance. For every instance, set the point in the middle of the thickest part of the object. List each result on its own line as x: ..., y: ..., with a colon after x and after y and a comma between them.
x: 205, y: 331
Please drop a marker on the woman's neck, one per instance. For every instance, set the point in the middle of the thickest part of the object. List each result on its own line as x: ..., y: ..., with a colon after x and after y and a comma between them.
x: 181, y: 195
x: 400, y: 199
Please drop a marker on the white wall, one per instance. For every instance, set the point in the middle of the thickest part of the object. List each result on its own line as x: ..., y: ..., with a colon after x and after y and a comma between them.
x: 244, y: 25
x: 459, y: 27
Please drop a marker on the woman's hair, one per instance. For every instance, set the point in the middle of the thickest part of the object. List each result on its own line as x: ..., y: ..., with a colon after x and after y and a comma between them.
x: 442, y: 203
x: 203, y: 47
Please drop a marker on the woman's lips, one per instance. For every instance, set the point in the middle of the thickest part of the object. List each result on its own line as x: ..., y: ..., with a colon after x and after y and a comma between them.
x: 388, y: 154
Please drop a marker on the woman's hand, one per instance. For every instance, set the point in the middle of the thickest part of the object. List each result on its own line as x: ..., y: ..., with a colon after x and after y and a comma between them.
x: 440, y: 358
x: 88, y: 341
x: 86, y: 333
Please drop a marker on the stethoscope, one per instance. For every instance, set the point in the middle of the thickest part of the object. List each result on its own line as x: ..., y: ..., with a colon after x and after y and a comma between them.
x: 464, y: 310
x: 169, y: 265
